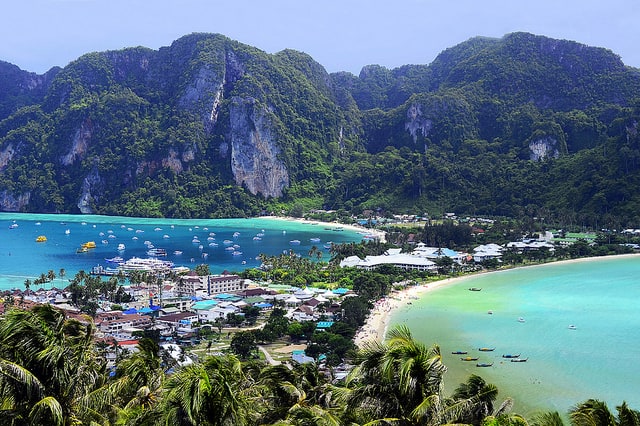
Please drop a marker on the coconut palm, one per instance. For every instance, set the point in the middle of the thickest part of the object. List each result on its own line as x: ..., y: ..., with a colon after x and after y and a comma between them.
x: 50, y: 372
x: 481, y: 397
x: 214, y: 393
x: 399, y: 381
x: 592, y: 412
x: 294, y: 394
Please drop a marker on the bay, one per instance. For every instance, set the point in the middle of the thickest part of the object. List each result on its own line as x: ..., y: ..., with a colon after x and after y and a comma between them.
x: 199, y: 241
x: 597, y: 358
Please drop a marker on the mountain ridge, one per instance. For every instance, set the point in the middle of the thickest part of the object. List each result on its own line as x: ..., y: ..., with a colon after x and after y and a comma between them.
x: 210, y: 127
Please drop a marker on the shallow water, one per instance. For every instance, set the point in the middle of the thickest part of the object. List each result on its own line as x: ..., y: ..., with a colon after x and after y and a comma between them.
x: 21, y: 257
x: 597, y: 359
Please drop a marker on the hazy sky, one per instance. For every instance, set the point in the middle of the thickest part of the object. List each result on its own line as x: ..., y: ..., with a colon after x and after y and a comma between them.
x: 342, y: 35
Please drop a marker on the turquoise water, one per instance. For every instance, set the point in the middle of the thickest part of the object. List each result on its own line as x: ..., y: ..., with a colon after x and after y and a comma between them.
x: 21, y: 257
x: 598, y: 359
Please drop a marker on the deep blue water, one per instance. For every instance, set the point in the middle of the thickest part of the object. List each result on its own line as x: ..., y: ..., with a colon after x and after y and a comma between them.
x: 21, y: 257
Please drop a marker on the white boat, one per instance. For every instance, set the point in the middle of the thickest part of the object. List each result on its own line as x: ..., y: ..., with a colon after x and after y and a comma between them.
x: 156, y: 252
x: 573, y: 327
x: 177, y: 252
x: 67, y: 231
x: 121, y: 247
x: 294, y: 242
x: 314, y: 240
x: 520, y: 319
x: 146, y: 265
x: 165, y: 236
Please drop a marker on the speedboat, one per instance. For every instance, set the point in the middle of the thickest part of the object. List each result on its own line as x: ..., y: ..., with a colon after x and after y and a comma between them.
x: 520, y: 319
x: 519, y: 359
x: 573, y: 327
x: 459, y: 352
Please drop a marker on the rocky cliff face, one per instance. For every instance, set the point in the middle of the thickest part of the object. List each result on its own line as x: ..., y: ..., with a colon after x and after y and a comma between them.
x: 254, y: 152
x: 13, y: 203
x: 546, y: 147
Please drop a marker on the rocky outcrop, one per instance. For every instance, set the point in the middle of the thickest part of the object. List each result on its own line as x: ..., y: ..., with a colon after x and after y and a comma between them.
x: 13, y: 203
x: 91, y: 188
x: 417, y: 122
x: 80, y: 144
x: 546, y: 147
x: 255, y: 161
x: 6, y: 155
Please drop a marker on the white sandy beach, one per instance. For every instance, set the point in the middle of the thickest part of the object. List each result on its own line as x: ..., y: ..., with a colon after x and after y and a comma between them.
x: 377, y: 323
x: 378, y: 234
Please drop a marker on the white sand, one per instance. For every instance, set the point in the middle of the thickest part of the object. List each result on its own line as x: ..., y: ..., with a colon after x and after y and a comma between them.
x: 378, y: 234
x: 378, y: 321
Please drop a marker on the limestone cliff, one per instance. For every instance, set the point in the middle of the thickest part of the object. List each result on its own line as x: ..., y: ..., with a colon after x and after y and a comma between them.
x: 546, y: 147
x: 13, y: 203
x: 254, y: 153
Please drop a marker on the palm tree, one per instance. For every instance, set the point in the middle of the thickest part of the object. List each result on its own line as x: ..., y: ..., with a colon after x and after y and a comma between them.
x: 61, y: 274
x: 50, y: 372
x: 293, y: 393
x: 214, y: 393
x: 592, y: 412
x: 480, y: 394
x: 399, y: 381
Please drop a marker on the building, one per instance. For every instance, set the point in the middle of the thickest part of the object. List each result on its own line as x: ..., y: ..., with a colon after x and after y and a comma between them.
x: 193, y: 284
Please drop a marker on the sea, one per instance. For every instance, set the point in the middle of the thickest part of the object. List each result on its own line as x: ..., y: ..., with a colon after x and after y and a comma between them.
x: 231, y: 245
x: 576, y: 323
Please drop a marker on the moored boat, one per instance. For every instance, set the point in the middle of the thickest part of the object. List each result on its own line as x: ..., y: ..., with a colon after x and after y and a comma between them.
x: 486, y: 349
x: 469, y: 358
x: 519, y: 359
x: 511, y: 356
x: 459, y: 352
x: 484, y: 364
x: 475, y: 289
x: 41, y: 239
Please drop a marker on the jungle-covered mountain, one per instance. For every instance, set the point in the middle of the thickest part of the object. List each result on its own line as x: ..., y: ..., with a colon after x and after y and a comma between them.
x: 523, y: 125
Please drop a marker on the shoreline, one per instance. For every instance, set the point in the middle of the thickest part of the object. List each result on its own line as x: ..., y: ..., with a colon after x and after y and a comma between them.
x: 377, y: 323
x: 378, y: 234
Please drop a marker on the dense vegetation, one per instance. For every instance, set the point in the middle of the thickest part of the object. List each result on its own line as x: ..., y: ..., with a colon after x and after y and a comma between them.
x: 52, y: 372
x: 521, y: 126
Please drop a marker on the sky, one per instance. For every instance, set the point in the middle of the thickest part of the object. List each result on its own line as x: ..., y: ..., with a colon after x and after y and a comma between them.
x: 341, y: 35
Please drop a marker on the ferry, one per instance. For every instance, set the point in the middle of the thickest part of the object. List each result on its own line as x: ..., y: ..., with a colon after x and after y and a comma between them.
x: 146, y: 265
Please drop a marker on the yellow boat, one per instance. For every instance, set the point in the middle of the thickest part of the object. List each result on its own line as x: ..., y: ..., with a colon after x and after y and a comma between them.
x: 89, y: 245
x: 41, y: 239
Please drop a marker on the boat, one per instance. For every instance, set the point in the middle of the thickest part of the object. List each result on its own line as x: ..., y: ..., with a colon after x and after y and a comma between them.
x: 572, y: 327
x: 519, y: 359
x: 314, y: 240
x: 484, y: 364
x: 486, y: 349
x: 13, y: 226
x: 511, y: 356
x: 520, y: 319
x: 117, y: 260
x: 294, y: 242
x: 177, y: 252
x: 459, y: 352
x: 67, y: 231
x: 469, y: 358
x: 89, y: 245
x: 146, y: 265
x: 156, y: 252
x: 490, y: 312
x: 121, y: 247
x: 82, y: 250
x: 41, y: 239
x: 475, y: 289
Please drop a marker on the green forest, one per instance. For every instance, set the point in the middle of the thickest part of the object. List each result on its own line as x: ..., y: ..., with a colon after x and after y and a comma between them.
x: 520, y: 126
